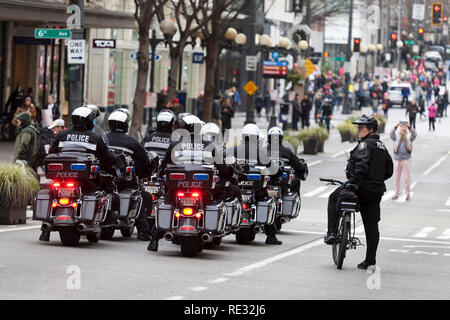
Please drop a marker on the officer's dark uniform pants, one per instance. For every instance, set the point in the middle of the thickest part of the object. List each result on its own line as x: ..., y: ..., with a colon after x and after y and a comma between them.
x: 142, y: 221
x: 370, y: 213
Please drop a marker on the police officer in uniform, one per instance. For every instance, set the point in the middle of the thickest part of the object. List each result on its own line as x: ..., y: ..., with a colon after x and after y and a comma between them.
x: 81, y: 137
x: 119, y: 140
x: 160, y: 140
x: 370, y: 164
x: 275, y: 140
x: 252, y: 150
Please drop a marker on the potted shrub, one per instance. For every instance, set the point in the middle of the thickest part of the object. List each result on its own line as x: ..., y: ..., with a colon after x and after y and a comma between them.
x: 346, y: 130
x: 310, y: 141
x: 18, y: 187
x: 291, y: 141
x: 322, y: 135
x: 381, y: 123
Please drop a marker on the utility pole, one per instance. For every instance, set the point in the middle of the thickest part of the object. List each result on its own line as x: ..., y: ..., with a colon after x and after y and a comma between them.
x: 388, y: 24
x: 76, y: 74
x: 347, y: 108
x: 250, y: 117
x: 399, y: 58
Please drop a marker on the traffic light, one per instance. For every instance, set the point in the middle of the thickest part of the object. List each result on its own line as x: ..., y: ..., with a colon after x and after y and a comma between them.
x: 326, y: 54
x: 437, y: 14
x: 420, y: 31
x: 357, y: 45
x: 393, y: 40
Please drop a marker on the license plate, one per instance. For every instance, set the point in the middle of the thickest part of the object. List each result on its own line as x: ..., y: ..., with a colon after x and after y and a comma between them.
x: 152, y: 189
x: 187, y: 202
x: 65, y: 193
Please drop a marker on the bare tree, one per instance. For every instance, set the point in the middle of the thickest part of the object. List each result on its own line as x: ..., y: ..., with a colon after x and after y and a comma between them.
x: 220, y: 14
x: 185, y: 13
x: 144, y: 13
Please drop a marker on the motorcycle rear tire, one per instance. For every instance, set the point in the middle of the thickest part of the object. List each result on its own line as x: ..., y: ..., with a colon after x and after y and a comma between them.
x: 189, y: 247
x: 126, y: 233
x: 107, y: 233
x: 93, y: 237
x: 69, y: 236
x: 243, y: 236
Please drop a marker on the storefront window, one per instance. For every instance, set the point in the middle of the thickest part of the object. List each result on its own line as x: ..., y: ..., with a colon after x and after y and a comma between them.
x: 117, y: 81
x: 2, y: 60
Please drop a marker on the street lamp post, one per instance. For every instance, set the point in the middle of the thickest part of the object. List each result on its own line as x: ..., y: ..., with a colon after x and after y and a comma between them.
x: 379, y: 52
x: 364, y: 54
x: 347, y: 108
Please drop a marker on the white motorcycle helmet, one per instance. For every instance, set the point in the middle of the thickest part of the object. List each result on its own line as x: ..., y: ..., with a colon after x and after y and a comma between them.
x: 118, y: 120
x: 250, y: 130
x: 95, y: 110
x: 211, y: 132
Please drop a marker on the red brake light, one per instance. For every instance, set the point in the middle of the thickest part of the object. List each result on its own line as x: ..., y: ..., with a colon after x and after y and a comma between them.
x: 190, y: 228
x: 177, y: 176
x: 196, y: 195
x: 188, y: 211
x: 244, y: 221
x: 198, y: 215
x: 56, y: 185
x: 62, y: 218
x: 55, y: 166
x: 244, y: 206
x: 180, y: 194
x: 70, y: 185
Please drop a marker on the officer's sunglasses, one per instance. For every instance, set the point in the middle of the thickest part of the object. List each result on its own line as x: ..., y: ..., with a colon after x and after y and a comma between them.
x: 362, y: 127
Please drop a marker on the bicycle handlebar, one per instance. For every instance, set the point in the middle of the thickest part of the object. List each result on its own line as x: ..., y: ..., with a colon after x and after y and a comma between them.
x: 332, y: 181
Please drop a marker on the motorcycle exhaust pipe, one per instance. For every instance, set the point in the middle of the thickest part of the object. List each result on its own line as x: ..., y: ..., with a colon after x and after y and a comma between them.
x: 206, y: 237
x: 46, y: 226
x: 169, y: 236
x: 283, y: 220
x: 81, y: 227
x: 257, y: 229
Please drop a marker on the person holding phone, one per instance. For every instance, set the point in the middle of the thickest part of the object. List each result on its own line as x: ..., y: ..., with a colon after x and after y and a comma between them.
x: 403, y: 141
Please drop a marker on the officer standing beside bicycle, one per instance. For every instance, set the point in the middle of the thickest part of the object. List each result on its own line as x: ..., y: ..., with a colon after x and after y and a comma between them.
x: 368, y: 167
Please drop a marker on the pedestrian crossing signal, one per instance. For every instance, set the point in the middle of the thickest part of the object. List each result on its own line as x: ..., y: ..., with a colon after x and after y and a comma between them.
x: 437, y: 14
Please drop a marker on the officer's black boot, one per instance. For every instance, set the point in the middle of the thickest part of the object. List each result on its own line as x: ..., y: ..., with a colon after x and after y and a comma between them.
x: 45, y: 236
x: 365, y: 264
x: 330, y: 238
x: 153, y: 245
x: 272, y: 239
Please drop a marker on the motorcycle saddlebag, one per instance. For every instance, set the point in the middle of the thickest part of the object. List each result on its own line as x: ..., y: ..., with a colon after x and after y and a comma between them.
x: 215, y: 217
x: 265, y: 211
x: 164, y: 216
x: 291, y: 205
x: 42, y: 205
x: 130, y: 203
x: 91, y: 207
x: 233, y: 213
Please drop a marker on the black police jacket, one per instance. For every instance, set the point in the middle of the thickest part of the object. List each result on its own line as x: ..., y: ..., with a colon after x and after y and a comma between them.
x: 370, y: 164
x: 90, y: 142
x: 158, y: 142
x: 121, y: 141
x: 300, y: 167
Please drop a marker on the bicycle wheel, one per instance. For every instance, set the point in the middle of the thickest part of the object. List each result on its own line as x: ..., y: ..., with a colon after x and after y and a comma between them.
x: 340, y: 246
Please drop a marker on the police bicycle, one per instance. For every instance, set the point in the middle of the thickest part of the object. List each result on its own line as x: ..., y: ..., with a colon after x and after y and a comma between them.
x: 345, y: 237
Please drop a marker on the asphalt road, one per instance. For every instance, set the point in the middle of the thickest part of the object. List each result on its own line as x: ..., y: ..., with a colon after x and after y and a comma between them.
x: 413, y: 256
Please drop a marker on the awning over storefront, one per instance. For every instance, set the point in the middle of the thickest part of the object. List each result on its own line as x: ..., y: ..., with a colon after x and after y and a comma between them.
x: 55, y: 14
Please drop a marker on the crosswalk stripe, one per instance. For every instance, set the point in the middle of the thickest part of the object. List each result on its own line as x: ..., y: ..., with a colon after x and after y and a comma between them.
x: 448, y: 202
x: 315, y: 191
x: 444, y: 235
x: 424, y: 232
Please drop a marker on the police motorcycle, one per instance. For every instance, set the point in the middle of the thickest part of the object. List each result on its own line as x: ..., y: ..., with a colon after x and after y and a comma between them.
x: 189, y: 215
x: 74, y: 204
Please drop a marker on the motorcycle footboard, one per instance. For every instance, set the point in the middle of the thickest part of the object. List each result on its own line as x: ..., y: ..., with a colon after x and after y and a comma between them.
x: 42, y: 205
x: 215, y: 217
x: 265, y: 212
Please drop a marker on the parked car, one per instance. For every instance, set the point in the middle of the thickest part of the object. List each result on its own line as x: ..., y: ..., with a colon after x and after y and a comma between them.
x: 395, y: 93
x: 433, y: 61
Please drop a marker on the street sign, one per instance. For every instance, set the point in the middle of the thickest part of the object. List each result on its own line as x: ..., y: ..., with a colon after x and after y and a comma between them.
x: 419, y: 12
x: 52, y: 33
x: 275, y: 69
x: 76, y: 52
x: 409, y: 42
x: 310, y: 67
x: 275, y: 55
x: 338, y: 59
x: 103, y: 44
x: 348, y: 67
x: 198, y: 58
x: 416, y: 48
x: 251, y: 63
x: 151, y: 99
x: 133, y: 56
x: 250, y: 88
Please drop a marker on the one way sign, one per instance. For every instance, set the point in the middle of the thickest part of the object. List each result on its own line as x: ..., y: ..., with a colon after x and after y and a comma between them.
x: 76, y: 51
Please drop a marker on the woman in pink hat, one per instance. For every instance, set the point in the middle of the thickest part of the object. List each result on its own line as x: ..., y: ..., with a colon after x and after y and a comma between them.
x: 432, y: 114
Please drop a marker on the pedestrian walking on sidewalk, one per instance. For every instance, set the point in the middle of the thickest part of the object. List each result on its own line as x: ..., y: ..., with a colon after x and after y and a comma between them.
x: 296, y: 112
x: 412, y: 110
x: 432, y: 115
x: 421, y: 106
x: 26, y: 141
x: 403, y: 141
x: 306, y: 107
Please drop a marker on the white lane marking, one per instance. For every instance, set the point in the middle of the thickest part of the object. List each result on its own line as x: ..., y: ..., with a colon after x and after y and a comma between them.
x: 314, y: 163
x: 315, y: 191
x: 388, y: 195
x: 175, y: 298
x: 440, y: 247
x: 283, y: 255
x: 341, y: 153
x: 199, y: 289
x: 434, y: 166
x: 219, y: 280
x: 424, y: 233
x: 444, y: 235
x: 20, y: 229
x: 233, y: 274
x: 448, y: 202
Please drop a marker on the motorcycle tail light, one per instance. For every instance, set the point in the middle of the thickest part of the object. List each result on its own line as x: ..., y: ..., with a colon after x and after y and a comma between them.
x: 180, y: 194
x: 64, y: 201
x: 54, y: 204
x: 188, y: 211
x: 196, y: 194
x: 55, y: 166
x: 198, y: 215
x: 244, y: 206
x: 95, y: 169
x: 70, y: 185
x: 190, y: 228
x: 74, y: 205
x: 153, y: 197
x: 216, y: 179
x: 177, y: 215
x: 56, y: 185
x: 267, y: 178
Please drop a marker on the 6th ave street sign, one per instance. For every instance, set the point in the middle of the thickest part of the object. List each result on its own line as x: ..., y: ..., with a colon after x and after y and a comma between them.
x: 52, y: 33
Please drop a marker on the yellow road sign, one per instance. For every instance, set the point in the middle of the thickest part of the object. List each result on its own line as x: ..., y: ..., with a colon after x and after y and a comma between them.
x: 250, y: 88
x: 310, y: 67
